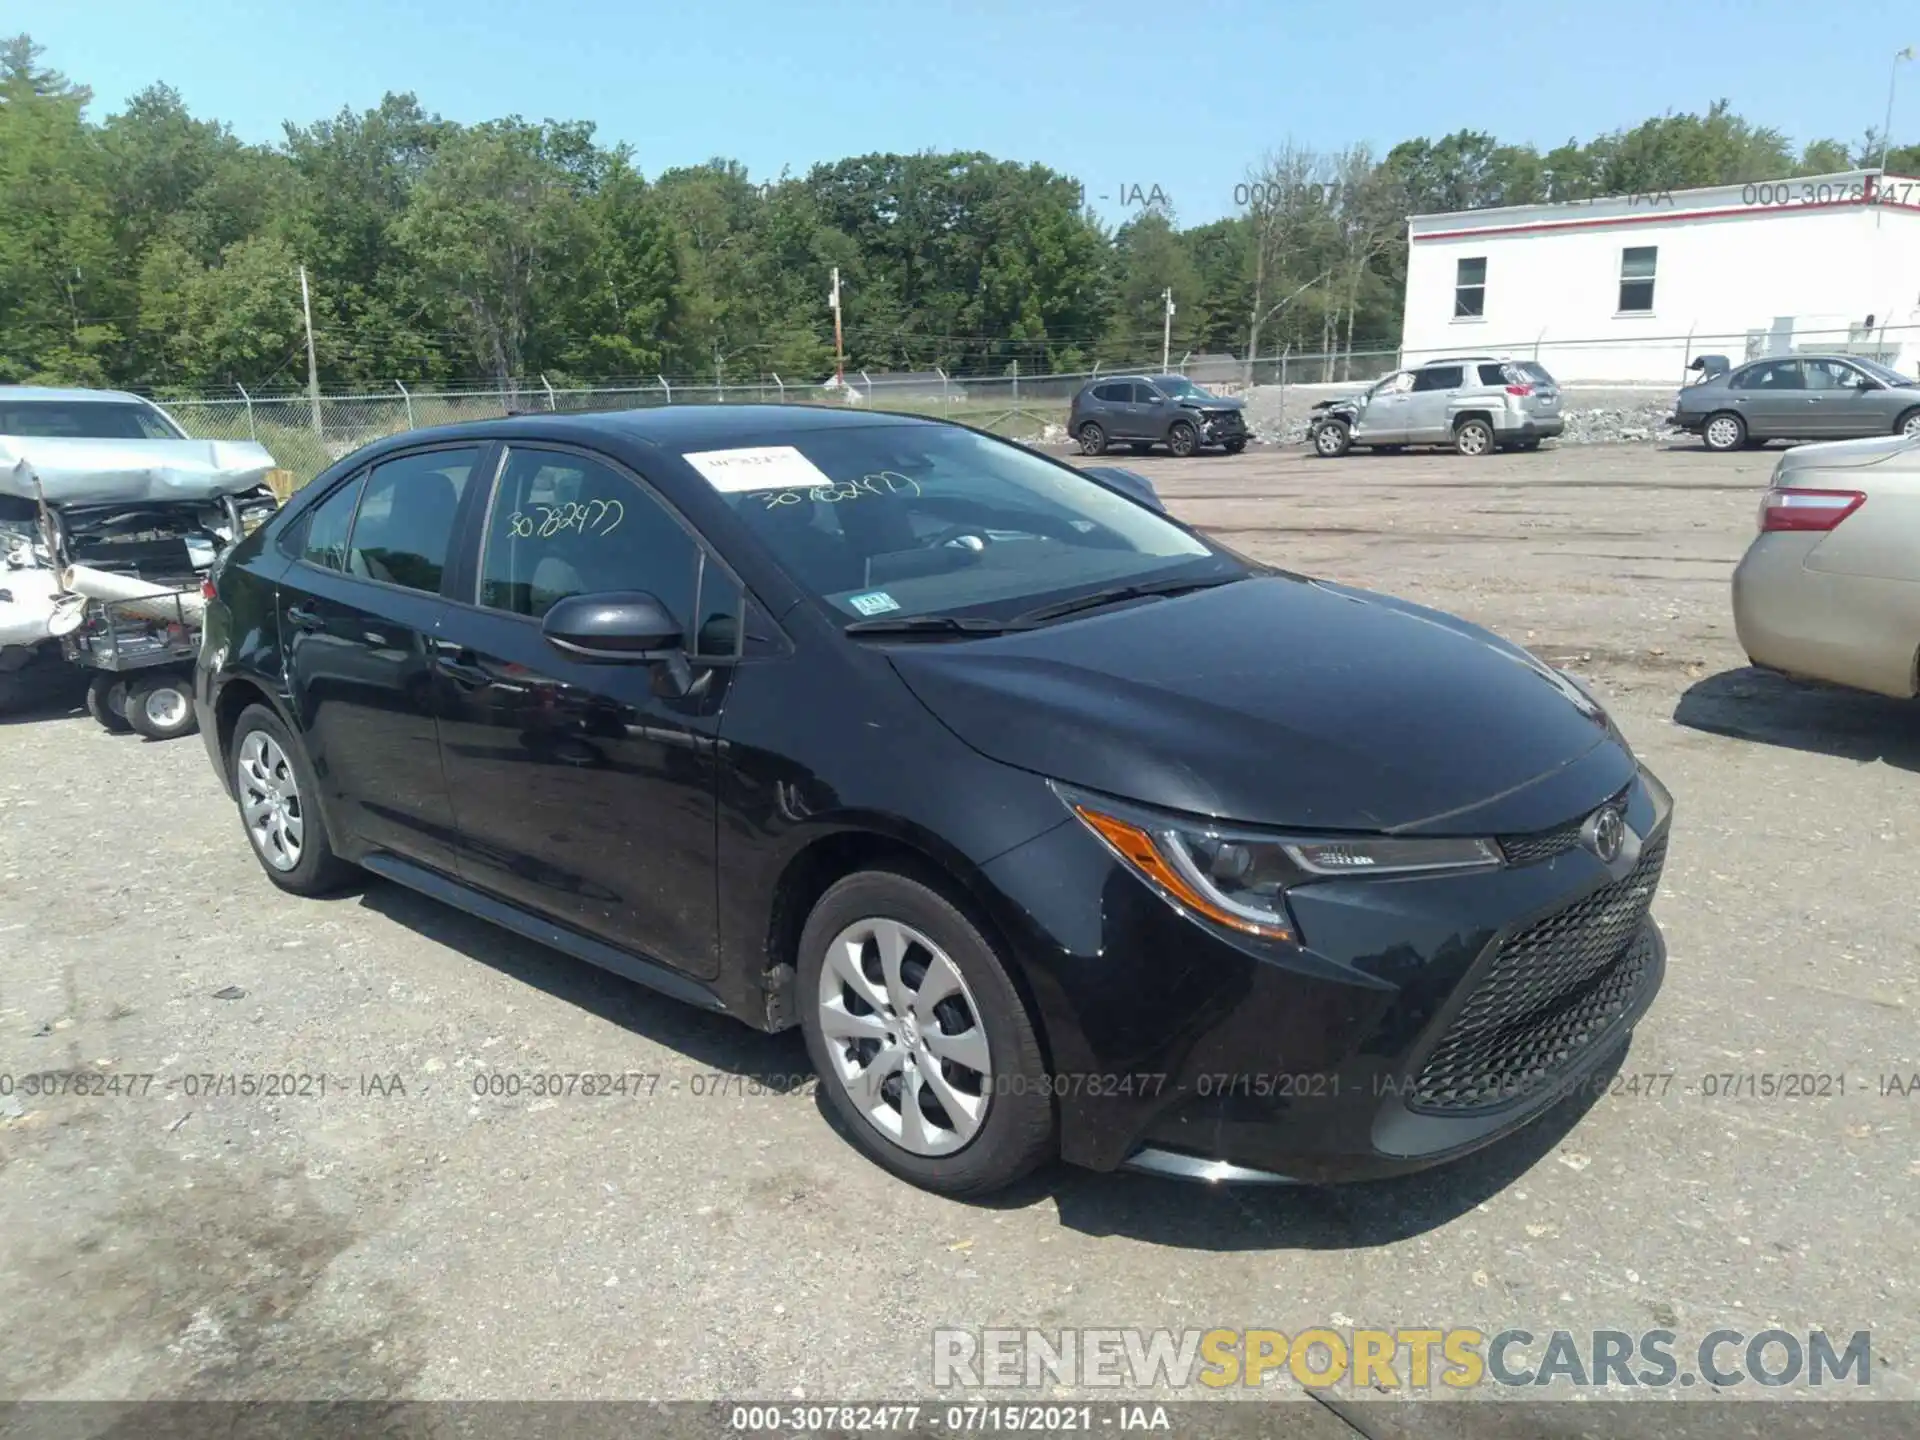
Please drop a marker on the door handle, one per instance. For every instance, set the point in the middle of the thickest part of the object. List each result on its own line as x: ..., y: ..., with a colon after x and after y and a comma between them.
x: 301, y: 618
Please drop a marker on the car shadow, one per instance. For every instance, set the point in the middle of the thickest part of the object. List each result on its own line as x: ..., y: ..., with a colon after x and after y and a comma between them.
x: 1772, y: 709
x: 62, y: 699
x: 1159, y: 1211
x: 712, y: 1042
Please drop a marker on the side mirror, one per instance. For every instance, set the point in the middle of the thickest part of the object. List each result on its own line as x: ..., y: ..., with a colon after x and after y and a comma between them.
x: 621, y: 625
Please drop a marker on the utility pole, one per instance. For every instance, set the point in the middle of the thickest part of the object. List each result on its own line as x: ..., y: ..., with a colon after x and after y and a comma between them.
x: 839, y: 350
x: 313, y: 366
x: 1886, y: 129
x: 1166, y: 332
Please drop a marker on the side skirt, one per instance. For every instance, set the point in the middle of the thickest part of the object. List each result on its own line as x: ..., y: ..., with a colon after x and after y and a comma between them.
x: 511, y: 917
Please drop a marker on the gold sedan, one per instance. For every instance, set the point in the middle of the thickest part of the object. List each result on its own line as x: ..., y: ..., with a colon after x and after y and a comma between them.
x: 1830, y: 588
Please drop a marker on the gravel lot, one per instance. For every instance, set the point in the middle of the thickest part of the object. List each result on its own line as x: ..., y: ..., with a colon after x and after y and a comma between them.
x: 399, y: 1237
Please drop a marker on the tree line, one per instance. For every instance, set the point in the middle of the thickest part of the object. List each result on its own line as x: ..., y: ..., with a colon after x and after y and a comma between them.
x: 153, y: 249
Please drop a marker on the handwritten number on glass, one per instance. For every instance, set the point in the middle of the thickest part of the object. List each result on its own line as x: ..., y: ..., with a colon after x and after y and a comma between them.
x: 884, y: 482
x: 586, y: 517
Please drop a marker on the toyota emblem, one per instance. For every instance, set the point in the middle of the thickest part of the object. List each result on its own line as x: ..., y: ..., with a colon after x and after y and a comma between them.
x: 1604, y: 833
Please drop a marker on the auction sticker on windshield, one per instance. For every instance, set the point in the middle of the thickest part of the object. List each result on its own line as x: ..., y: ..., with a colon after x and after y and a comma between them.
x: 759, y: 467
x: 874, y: 602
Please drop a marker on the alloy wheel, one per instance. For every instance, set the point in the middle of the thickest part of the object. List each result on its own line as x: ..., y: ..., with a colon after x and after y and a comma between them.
x: 1723, y: 432
x: 1473, y: 438
x: 1182, y: 440
x: 270, y: 801
x: 1329, y: 440
x: 1911, y: 429
x: 904, y: 1036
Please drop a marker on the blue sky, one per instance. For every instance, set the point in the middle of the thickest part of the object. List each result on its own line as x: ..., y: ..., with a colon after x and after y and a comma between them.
x: 1184, y: 101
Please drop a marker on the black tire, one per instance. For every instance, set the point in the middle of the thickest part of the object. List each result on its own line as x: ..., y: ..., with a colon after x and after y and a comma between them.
x: 1182, y: 439
x: 1731, y: 432
x: 1331, y: 439
x: 1234, y: 447
x: 318, y: 870
x: 1473, y: 438
x: 107, y: 701
x: 1017, y: 1132
x: 1908, y: 424
x: 1093, y: 439
x: 160, y: 704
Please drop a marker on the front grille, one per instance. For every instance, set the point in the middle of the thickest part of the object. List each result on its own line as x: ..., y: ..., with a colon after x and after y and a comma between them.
x: 1224, y: 419
x: 1551, y: 991
x: 1545, y: 844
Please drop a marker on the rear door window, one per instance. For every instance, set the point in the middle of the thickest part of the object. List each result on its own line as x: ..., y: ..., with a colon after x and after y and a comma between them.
x: 404, y: 525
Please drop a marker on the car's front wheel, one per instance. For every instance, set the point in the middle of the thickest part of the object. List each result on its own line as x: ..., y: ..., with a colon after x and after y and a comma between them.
x: 1332, y: 439
x: 275, y: 788
x: 1093, y: 440
x: 925, y: 1050
x: 1724, y: 432
x: 1183, y: 439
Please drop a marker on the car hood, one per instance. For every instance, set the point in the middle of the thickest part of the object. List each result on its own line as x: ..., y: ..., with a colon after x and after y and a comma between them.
x: 1848, y: 454
x: 1214, y: 402
x: 1283, y: 701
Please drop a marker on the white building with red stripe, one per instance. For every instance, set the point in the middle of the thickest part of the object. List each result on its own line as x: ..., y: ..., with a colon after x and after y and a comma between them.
x: 1631, y: 287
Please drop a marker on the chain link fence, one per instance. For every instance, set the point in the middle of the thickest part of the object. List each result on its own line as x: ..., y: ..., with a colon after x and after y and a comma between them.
x: 306, y: 435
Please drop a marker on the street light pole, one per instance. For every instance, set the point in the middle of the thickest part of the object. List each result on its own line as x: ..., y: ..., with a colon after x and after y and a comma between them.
x: 1166, y: 332
x: 1886, y: 128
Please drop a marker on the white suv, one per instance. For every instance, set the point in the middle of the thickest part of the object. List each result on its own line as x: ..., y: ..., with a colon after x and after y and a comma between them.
x: 1475, y: 403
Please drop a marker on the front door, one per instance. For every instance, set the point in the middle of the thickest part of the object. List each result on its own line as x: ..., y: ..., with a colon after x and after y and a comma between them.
x: 1427, y: 410
x: 358, y: 613
x: 1383, y: 420
x: 586, y: 791
x: 1845, y: 399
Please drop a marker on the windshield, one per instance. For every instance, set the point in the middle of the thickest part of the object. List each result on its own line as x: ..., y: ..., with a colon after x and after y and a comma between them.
x: 1886, y: 374
x: 898, y: 521
x: 84, y: 420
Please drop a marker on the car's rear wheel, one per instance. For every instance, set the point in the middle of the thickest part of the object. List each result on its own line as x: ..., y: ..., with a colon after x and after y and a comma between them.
x: 274, y: 786
x: 107, y: 701
x: 1332, y: 439
x: 1093, y: 439
x: 1909, y: 424
x: 1723, y: 432
x: 925, y: 1049
x: 160, y: 706
x: 1473, y: 437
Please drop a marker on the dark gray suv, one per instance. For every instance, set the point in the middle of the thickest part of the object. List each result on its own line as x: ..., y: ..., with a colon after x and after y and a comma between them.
x: 1142, y: 411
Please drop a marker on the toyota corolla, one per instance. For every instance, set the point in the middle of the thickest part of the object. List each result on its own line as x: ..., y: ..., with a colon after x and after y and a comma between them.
x: 1060, y: 829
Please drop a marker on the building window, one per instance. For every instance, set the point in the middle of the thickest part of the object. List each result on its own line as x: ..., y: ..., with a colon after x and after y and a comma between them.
x: 1470, y: 289
x: 1636, y: 278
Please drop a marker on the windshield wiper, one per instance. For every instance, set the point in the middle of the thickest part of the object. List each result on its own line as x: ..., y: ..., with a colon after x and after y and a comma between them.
x: 1117, y: 593
x: 933, y: 625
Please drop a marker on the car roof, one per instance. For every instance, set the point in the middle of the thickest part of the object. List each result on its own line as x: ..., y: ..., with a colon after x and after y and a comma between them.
x: 68, y: 394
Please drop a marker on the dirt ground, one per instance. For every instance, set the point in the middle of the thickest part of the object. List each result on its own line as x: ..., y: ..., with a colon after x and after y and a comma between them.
x: 400, y: 1236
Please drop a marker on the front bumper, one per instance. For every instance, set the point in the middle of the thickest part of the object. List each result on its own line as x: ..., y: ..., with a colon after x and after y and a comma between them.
x: 1418, y: 1020
x: 1223, y: 429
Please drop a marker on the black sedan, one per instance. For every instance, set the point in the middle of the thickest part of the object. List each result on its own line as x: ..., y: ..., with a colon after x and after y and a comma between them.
x: 1060, y: 829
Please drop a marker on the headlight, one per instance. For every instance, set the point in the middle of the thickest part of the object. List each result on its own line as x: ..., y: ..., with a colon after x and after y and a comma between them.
x: 1239, y: 878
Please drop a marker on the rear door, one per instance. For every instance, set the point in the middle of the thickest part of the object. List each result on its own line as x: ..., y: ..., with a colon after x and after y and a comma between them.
x: 1107, y: 403
x: 1773, y: 399
x: 358, y: 612
x: 1434, y: 388
x: 584, y: 791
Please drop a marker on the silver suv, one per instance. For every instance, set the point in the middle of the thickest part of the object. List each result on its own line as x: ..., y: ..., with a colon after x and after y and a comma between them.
x: 1475, y: 403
